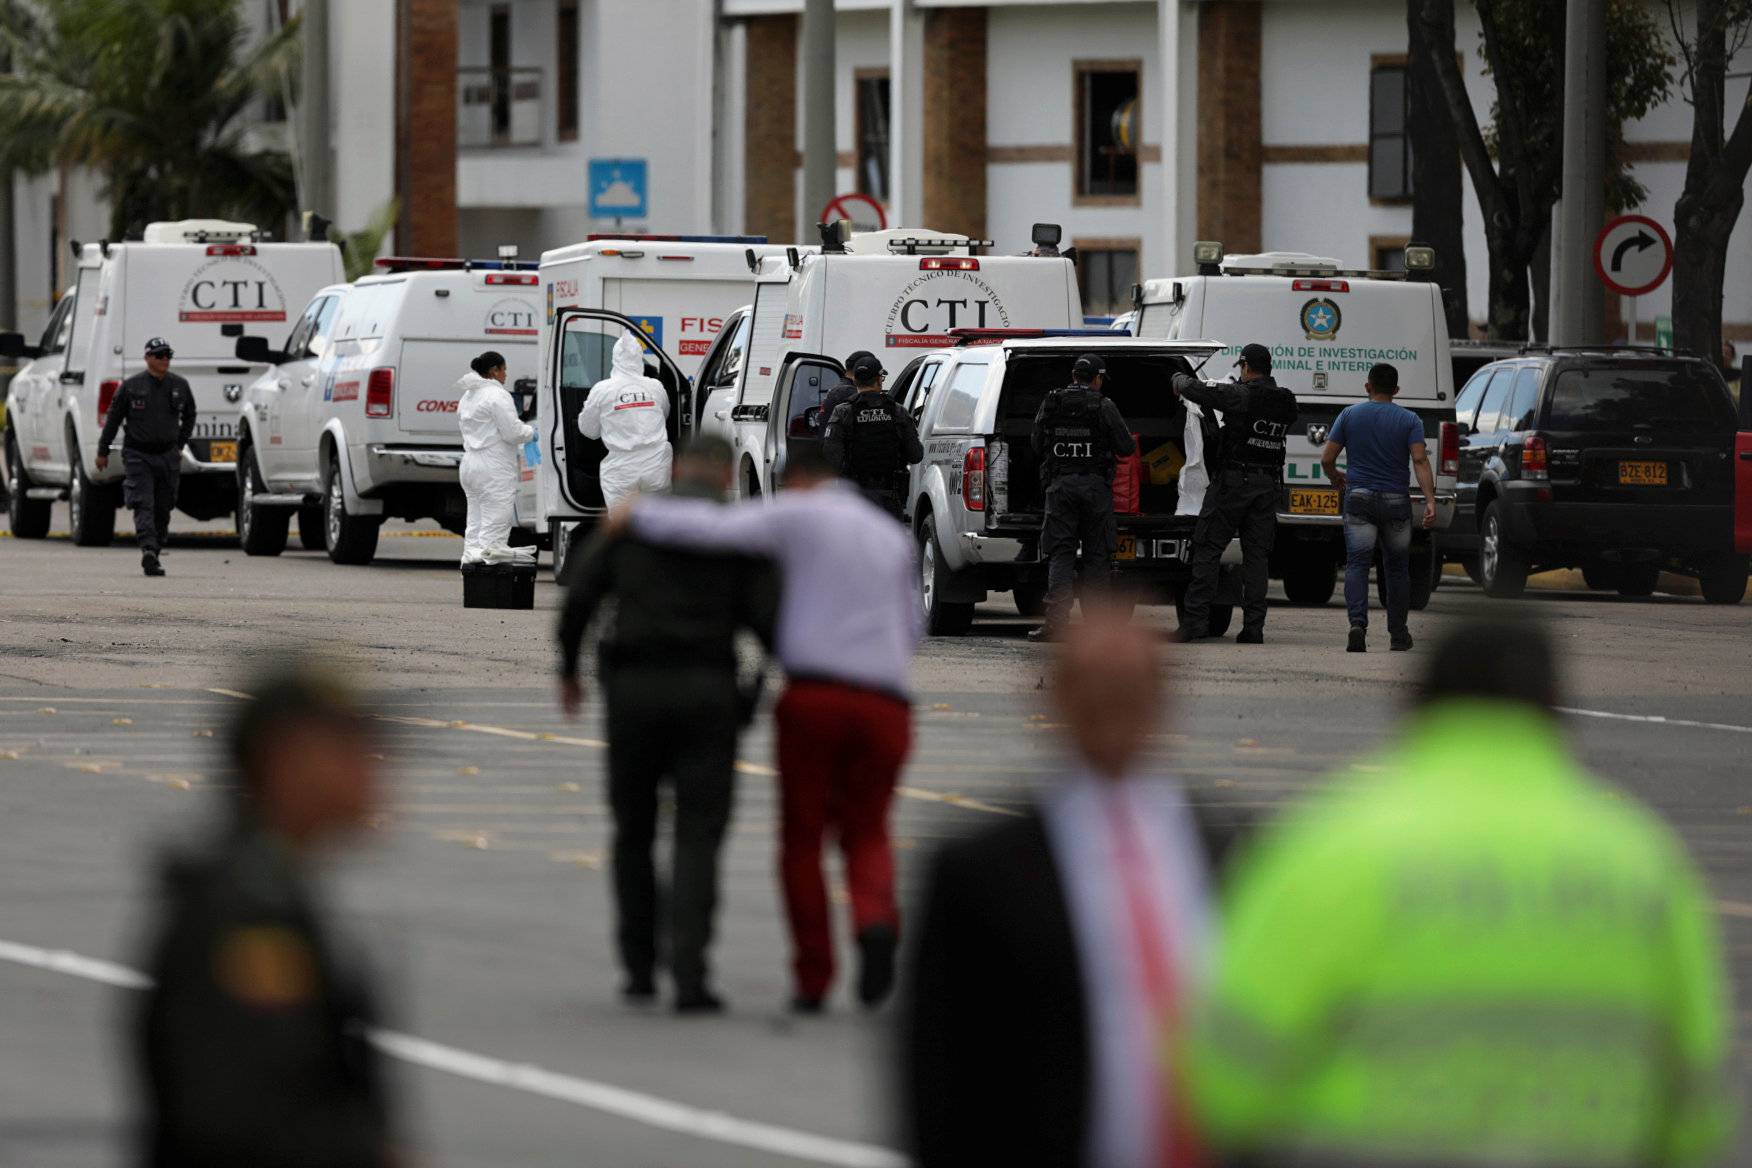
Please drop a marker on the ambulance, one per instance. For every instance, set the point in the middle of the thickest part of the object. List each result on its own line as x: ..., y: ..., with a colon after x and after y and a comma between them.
x: 1325, y: 326
x: 895, y: 293
x: 677, y: 291
x: 196, y: 283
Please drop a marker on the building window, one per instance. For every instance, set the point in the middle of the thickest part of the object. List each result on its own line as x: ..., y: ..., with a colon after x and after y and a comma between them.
x: 566, y: 73
x: 1389, y: 148
x: 872, y: 131
x: 1107, y: 269
x: 499, y: 61
x: 1107, y: 129
x: 1387, y: 252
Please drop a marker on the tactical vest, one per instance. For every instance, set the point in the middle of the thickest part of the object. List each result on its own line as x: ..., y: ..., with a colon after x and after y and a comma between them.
x: 874, y: 450
x: 1255, y: 437
x: 1074, y: 440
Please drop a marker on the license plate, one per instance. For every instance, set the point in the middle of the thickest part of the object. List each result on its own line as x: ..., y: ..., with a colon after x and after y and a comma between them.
x: 1127, y: 549
x: 1313, y: 501
x: 221, y: 452
x: 1642, y: 474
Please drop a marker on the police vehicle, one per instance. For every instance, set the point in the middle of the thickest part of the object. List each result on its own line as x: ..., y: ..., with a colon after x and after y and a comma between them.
x: 894, y: 293
x: 194, y: 283
x: 683, y: 292
x: 976, y: 502
x: 355, y: 421
x: 1325, y: 326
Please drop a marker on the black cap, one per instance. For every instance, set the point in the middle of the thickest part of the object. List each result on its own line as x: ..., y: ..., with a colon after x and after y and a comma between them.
x: 1089, y: 364
x: 1256, y: 357
x: 158, y: 346
x: 866, y: 369
x: 852, y: 361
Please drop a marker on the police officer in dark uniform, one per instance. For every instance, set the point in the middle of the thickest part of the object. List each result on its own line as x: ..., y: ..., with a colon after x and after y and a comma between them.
x: 1243, y: 495
x: 158, y: 409
x: 253, y: 1040
x: 847, y: 389
x: 675, y: 708
x: 1079, y: 436
x: 872, y: 441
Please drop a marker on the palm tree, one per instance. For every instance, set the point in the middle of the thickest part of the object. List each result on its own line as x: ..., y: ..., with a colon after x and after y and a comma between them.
x: 152, y: 94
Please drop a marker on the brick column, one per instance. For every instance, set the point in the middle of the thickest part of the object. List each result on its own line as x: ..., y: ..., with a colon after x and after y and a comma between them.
x: 1228, y: 125
x: 425, y: 136
x: 769, y: 159
x: 954, y: 121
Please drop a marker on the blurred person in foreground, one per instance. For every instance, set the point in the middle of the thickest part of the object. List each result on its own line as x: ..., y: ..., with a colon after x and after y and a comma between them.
x: 675, y: 708
x: 1056, y: 949
x: 254, y: 1038
x: 1467, y: 953
x: 848, y: 624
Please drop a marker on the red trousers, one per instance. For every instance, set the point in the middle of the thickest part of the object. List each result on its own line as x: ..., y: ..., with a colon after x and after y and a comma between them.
x: 840, y: 754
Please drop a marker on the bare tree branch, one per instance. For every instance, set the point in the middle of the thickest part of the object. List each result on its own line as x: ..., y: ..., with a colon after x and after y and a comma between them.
x: 1473, y: 151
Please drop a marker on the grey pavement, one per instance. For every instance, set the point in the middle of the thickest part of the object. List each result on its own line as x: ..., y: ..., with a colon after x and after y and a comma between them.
x: 481, y: 896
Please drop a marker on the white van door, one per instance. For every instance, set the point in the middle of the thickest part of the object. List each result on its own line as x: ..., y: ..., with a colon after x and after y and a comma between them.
x: 584, y: 340
x: 794, y: 419
x: 715, y: 387
x: 70, y: 388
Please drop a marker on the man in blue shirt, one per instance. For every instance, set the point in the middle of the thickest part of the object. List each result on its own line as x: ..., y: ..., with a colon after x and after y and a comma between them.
x: 1377, y: 436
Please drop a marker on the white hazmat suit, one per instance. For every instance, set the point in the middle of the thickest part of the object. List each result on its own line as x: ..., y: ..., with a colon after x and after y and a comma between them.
x: 492, y: 434
x: 629, y: 412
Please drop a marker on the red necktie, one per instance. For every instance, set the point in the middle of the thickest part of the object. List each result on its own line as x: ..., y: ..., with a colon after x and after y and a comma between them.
x: 1176, y: 1144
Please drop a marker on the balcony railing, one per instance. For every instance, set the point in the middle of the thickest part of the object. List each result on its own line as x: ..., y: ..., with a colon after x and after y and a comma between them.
x: 499, y: 107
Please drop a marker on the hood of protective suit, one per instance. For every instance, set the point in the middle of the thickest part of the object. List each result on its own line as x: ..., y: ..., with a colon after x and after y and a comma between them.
x: 629, y: 356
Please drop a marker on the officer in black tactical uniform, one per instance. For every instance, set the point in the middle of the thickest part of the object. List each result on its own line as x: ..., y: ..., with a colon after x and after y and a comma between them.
x: 1243, y: 495
x: 254, y: 1038
x: 872, y: 441
x: 675, y: 707
x: 158, y: 408
x: 1078, y: 437
x: 847, y: 389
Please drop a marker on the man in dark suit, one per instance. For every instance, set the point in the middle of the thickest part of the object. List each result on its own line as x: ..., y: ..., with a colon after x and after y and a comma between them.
x: 1053, y: 947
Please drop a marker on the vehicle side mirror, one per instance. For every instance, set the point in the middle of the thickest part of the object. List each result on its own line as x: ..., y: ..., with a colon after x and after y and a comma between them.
x: 234, y: 329
x: 1463, y: 428
x: 12, y: 345
x: 255, y: 350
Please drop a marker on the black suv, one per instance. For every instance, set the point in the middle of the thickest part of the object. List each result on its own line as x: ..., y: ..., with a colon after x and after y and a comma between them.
x: 1616, y: 461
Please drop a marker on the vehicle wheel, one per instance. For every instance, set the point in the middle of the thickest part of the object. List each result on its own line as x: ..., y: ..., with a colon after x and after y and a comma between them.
x: 261, y: 530
x: 1222, y: 615
x: 28, y: 518
x: 312, y: 531
x: 562, y: 535
x: 942, y: 618
x: 1030, y: 599
x: 1601, y: 576
x: 1310, y: 582
x: 352, y: 539
x: 1724, y: 582
x: 1502, y: 568
x: 1638, y: 580
x: 92, y: 508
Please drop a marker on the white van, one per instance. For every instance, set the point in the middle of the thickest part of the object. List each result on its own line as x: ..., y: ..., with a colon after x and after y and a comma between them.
x: 357, y: 417
x: 680, y: 290
x: 194, y: 283
x: 1325, y: 326
x: 894, y: 293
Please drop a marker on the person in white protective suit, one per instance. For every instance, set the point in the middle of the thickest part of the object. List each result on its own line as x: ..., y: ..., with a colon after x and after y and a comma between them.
x: 492, y: 435
x: 629, y: 412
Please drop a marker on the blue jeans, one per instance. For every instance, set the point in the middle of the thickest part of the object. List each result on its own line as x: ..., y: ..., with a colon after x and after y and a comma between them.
x: 1372, y: 517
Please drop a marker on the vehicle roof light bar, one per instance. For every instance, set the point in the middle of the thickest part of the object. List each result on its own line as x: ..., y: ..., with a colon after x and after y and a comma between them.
x: 1316, y: 273
x: 433, y: 264
x: 909, y: 245
x: 597, y: 236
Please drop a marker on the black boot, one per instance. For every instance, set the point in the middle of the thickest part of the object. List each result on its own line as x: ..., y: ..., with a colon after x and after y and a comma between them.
x: 876, y: 946
x: 149, y: 564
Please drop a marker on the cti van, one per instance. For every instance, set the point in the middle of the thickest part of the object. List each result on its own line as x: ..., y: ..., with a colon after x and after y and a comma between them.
x: 1325, y: 326
x: 680, y: 291
x: 195, y: 283
x: 355, y: 422
x: 894, y: 293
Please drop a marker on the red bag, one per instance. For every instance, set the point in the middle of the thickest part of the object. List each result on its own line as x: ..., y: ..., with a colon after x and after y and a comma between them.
x: 1128, y: 479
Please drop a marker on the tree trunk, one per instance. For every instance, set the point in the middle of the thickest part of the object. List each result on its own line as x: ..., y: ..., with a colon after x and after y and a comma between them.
x: 1510, y: 301
x: 1700, y: 261
x: 1437, y: 218
x: 1541, y: 265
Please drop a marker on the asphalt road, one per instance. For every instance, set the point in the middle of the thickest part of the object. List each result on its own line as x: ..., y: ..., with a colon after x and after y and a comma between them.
x: 482, y: 897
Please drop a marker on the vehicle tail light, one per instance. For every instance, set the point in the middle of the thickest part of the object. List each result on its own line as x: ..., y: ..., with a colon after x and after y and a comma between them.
x: 973, y: 478
x: 686, y: 259
x: 1448, y: 461
x: 106, y: 393
x: 1321, y: 286
x: 948, y: 264
x: 1743, y: 492
x: 1535, y: 458
x: 231, y: 249
x: 512, y: 278
x: 380, y: 394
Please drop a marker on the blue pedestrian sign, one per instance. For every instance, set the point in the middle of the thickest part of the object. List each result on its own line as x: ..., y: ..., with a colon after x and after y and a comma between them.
x: 618, y: 188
